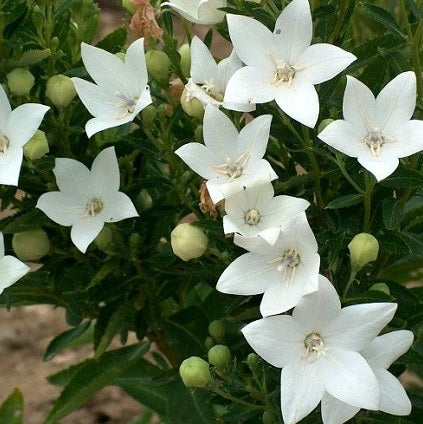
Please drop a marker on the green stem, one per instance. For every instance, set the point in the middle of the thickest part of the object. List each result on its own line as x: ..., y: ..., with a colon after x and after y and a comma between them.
x: 340, y: 22
x: 345, y: 173
x: 349, y: 283
x: 228, y: 396
x: 369, y: 184
x: 415, y: 56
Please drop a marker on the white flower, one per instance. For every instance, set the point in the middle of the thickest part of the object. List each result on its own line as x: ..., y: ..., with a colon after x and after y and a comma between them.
x: 12, y: 269
x: 209, y: 80
x: 16, y: 128
x: 284, y: 272
x: 379, y: 354
x: 282, y: 66
x: 318, y: 350
x: 230, y: 160
x: 87, y: 199
x: 120, y: 91
x: 378, y: 131
x: 255, y: 212
x: 199, y: 11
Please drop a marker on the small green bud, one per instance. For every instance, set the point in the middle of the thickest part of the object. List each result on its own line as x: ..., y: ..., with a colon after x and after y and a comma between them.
x: 134, y: 241
x: 382, y: 287
x: 148, y: 115
x: 195, y: 372
x: 158, y: 66
x: 185, y: 53
x: 268, y: 418
x: 60, y: 90
x: 20, y: 81
x: 219, y: 410
x: 219, y: 356
x: 209, y: 342
x: 121, y: 56
x: 324, y: 124
x: 198, y: 134
x: 188, y: 242
x: 363, y: 249
x: 104, y: 239
x: 143, y: 200
x: 217, y: 330
x: 37, y: 146
x: 31, y: 245
x: 253, y: 360
x: 192, y: 106
x: 129, y: 6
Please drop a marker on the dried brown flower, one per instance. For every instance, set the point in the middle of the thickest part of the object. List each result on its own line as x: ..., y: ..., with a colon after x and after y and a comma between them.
x: 143, y: 22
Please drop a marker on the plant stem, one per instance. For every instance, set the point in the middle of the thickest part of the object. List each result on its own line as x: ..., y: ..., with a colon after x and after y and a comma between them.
x: 344, y: 171
x: 369, y: 184
x: 349, y: 283
x: 340, y: 22
x: 228, y: 396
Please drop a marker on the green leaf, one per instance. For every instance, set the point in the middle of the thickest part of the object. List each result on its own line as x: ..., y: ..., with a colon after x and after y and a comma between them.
x: 11, y: 410
x: 345, y: 201
x: 114, y: 41
x: 23, y: 222
x: 403, y: 179
x: 394, y: 243
x: 392, y: 213
x: 31, y: 57
x: 62, y: 341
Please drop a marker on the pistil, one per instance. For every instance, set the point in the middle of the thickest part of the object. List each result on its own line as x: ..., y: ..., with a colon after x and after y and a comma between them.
x: 233, y: 168
x: 252, y: 217
x: 4, y: 144
x: 314, y: 347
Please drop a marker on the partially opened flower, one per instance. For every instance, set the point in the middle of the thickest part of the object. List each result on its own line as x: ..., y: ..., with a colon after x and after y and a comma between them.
x: 17, y: 126
x: 209, y: 80
x: 379, y: 354
x: 87, y: 199
x: 284, y: 272
x: 378, y: 131
x: 12, y: 269
x: 199, y: 11
x: 318, y: 350
x: 230, y: 160
x: 120, y: 91
x: 255, y: 212
x: 282, y: 66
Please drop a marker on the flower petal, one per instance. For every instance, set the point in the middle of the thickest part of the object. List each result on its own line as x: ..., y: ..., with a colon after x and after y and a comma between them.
x: 136, y: 66
x: 408, y: 139
x: 5, y: 109
x: 72, y: 178
x: 10, y: 165
x: 225, y: 69
x: 380, y: 166
x: 197, y: 157
x: 335, y: 411
x: 118, y: 206
x: 11, y: 270
x: 105, y: 176
x: 208, y: 13
x: 95, y: 125
x: 84, y: 231
x: 203, y: 65
x: 1, y: 245
x: 60, y: 208
x: 255, y: 136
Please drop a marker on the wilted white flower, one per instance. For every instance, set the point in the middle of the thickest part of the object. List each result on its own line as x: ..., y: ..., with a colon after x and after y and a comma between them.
x: 87, y: 199
x: 120, y: 91
x: 16, y: 128
x: 282, y: 66
x: 199, y: 11
x: 378, y: 131
x: 318, y: 350
x: 230, y: 160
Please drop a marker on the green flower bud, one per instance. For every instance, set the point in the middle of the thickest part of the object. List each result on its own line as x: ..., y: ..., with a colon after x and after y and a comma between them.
x: 188, y: 242
x: 219, y: 356
x: 195, y: 372
x: 60, y: 90
x: 324, y: 124
x: 219, y: 410
x: 198, y: 134
x: 209, y: 342
x: 158, y: 66
x: 217, y: 330
x: 192, y: 106
x: 31, y: 245
x: 252, y: 361
x: 20, y: 81
x: 143, y: 200
x: 148, y: 115
x: 121, y: 56
x: 363, y: 249
x: 268, y: 418
x: 129, y: 6
x: 104, y: 239
x: 382, y: 287
x: 134, y: 241
x: 37, y: 146
x: 185, y: 53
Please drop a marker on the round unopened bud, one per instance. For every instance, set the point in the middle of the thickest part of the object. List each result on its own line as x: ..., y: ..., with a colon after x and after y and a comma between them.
x: 158, y: 66
x: 188, y: 242
x: 121, y: 56
x: 148, y: 115
x: 209, y: 342
x: 268, y: 418
x: 253, y: 361
x: 198, y: 134
x: 191, y: 105
x: 143, y: 200
x: 20, y: 81
x: 31, y: 245
x: 185, y: 53
x: 104, y: 239
x: 195, y: 372
x: 219, y: 356
x: 217, y: 330
x: 134, y: 241
x: 129, y: 6
x: 324, y: 124
x: 219, y: 410
x: 382, y: 287
x: 60, y: 90
x: 363, y: 249
x: 37, y: 146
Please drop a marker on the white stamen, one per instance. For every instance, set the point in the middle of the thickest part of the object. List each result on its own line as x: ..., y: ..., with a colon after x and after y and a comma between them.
x: 126, y: 106
x: 4, y: 144
x: 314, y: 347
x: 287, y: 262
x: 210, y: 89
x: 232, y: 168
x: 284, y: 73
x: 374, y: 138
x: 93, y: 208
x: 252, y: 217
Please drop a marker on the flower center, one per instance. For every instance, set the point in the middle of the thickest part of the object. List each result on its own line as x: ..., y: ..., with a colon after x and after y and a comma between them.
x: 232, y: 168
x: 94, y: 207
x: 314, y: 347
x: 209, y: 88
x: 252, y: 217
x: 287, y: 262
x: 375, y: 140
x: 284, y: 73
x: 4, y: 144
x: 126, y: 106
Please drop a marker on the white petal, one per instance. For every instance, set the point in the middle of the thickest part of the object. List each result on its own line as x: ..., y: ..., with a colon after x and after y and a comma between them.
x: 335, y: 411
x: 255, y: 136
x: 208, y: 13
x: 135, y: 66
x: 24, y: 121
x: 282, y: 334
x: 203, y: 65
x: 349, y: 378
x: 225, y: 69
x: 84, y: 231
x: 95, y: 125
x: 10, y: 165
x: 73, y: 178
x: 380, y: 166
x: 105, y: 176
x: 62, y: 209
x: 282, y: 209
x: 408, y: 139
x: 395, y: 104
x: 301, y: 390
x: 321, y: 62
x: 143, y: 101
x: 1, y: 245
x: 357, y: 325
x: 393, y: 398
x: 293, y: 30
x: 299, y: 101
x: 197, y: 157
x: 11, y: 270
x: 5, y: 109
x: 118, y: 206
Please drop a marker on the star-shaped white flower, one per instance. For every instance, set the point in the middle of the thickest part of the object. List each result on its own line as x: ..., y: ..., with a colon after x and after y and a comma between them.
x: 282, y: 66
x: 16, y: 128
x: 11, y: 268
x: 120, y: 91
x: 199, y: 11
x: 87, y: 199
x: 318, y: 350
x: 284, y: 272
x: 230, y: 160
x: 378, y: 131
x: 379, y: 354
x: 255, y: 212
x: 209, y: 80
